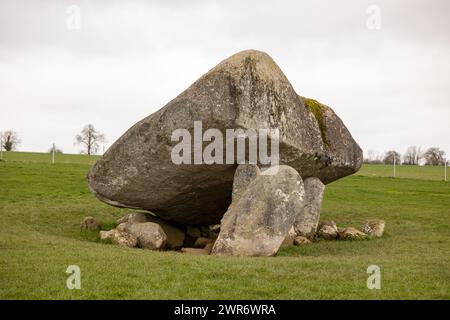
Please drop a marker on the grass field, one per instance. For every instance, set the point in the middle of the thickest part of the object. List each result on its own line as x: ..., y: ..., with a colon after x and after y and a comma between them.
x: 41, y: 206
x: 47, y: 157
x: 404, y: 171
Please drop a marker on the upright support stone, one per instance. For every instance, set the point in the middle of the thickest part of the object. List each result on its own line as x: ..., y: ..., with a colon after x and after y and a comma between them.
x: 259, y: 219
x: 307, y: 219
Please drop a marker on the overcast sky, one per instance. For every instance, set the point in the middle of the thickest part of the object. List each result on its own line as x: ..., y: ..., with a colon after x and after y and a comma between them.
x: 390, y: 85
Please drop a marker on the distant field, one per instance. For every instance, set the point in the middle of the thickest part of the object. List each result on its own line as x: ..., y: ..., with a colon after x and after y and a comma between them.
x: 41, y: 206
x: 369, y: 170
x: 404, y: 171
x: 47, y: 157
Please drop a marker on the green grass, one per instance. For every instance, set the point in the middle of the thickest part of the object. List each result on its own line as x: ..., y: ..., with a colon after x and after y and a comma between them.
x: 404, y: 171
x: 41, y: 206
x: 47, y: 157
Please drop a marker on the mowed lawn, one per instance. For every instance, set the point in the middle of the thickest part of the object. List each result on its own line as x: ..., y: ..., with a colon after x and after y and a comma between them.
x: 404, y: 171
x: 41, y: 206
x: 47, y: 157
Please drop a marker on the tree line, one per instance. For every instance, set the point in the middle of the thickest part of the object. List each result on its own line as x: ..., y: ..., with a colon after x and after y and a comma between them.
x: 89, y: 139
x: 414, y: 155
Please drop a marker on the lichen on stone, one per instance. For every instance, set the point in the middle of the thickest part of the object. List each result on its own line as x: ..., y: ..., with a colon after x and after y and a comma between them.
x: 316, y: 109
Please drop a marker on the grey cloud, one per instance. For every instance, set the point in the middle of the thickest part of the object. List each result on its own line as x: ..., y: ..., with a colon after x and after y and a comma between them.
x: 128, y: 59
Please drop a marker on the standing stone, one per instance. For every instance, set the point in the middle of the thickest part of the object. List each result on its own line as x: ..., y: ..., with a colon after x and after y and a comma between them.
x: 149, y: 235
x: 259, y: 220
x: 307, y: 219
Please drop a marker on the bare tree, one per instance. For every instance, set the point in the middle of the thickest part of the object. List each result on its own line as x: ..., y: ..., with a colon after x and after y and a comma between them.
x: 10, y: 140
x: 434, y: 156
x: 412, y: 155
x: 390, y: 156
x: 372, y: 157
x: 90, y: 138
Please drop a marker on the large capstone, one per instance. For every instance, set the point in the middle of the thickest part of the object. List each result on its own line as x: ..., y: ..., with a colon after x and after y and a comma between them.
x: 246, y: 91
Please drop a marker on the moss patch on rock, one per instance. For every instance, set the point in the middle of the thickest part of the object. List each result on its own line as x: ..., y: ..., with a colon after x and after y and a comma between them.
x: 316, y: 109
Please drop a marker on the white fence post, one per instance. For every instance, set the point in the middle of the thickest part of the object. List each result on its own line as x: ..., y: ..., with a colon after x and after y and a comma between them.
x: 394, y: 165
x: 1, y: 148
x: 445, y: 170
x: 53, y: 154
